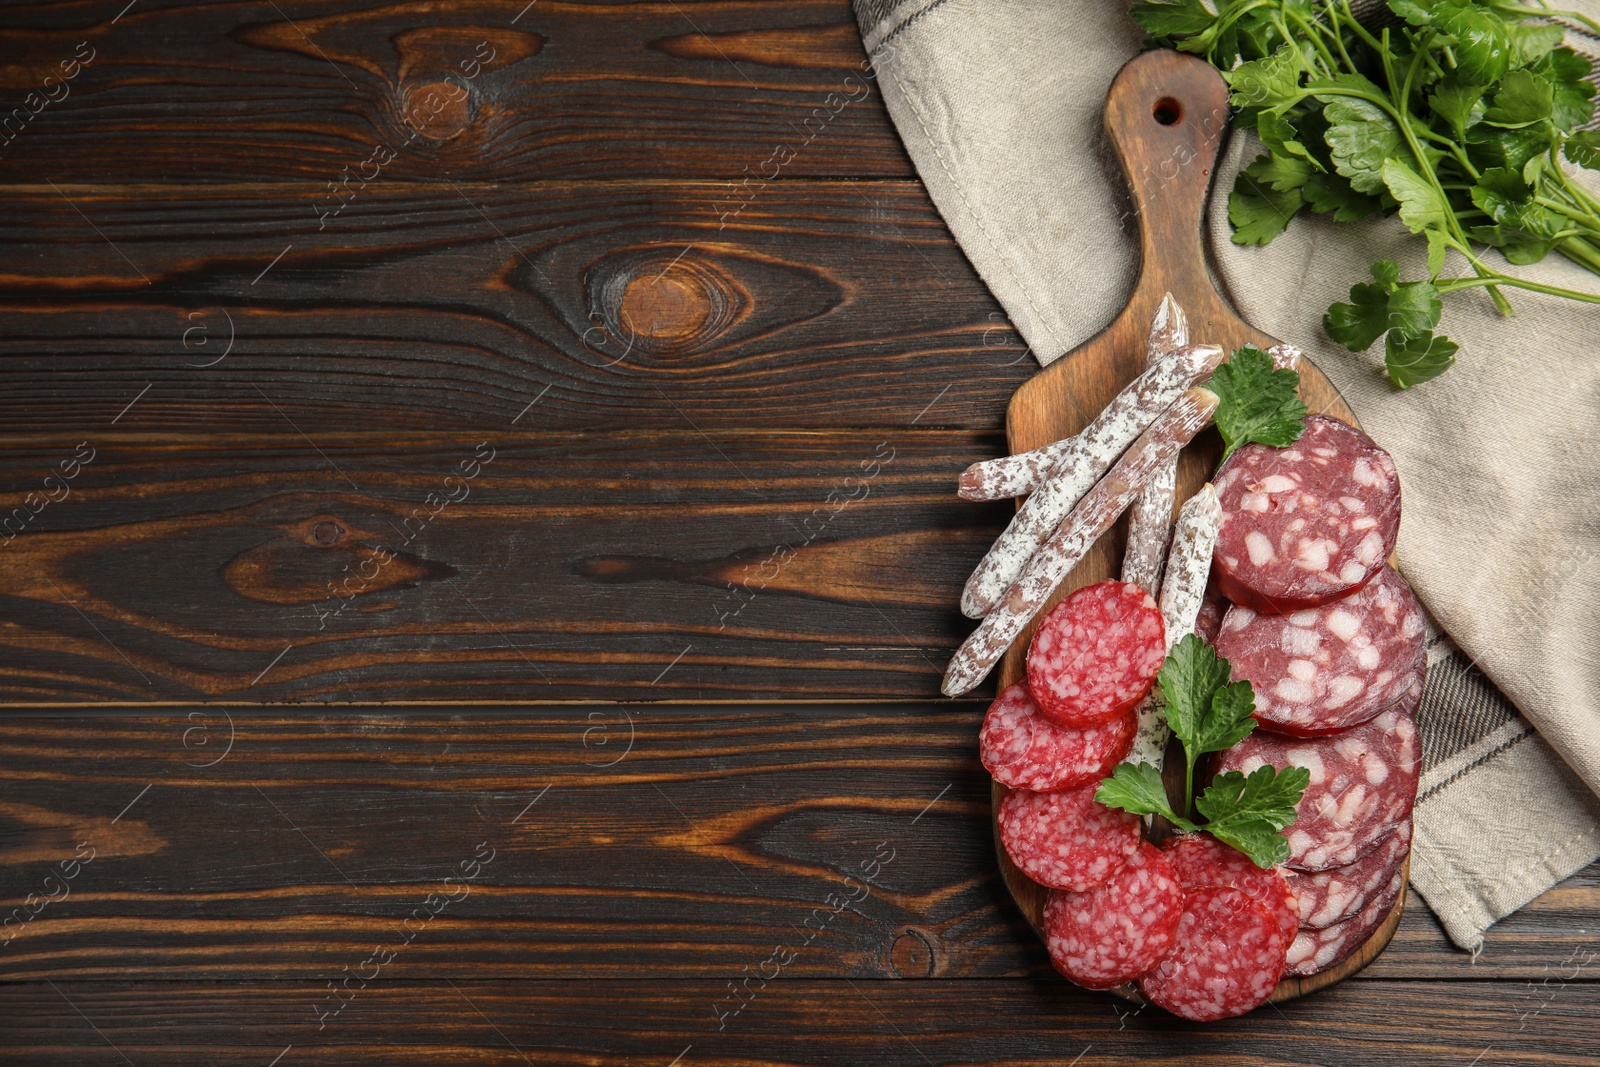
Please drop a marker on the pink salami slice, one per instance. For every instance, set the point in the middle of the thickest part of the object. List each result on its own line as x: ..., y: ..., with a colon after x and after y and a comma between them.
x: 1326, y: 669
x: 1334, y: 895
x: 1096, y: 653
x: 1226, y: 957
x: 1363, y: 784
x: 1306, y: 524
x: 1066, y: 840
x: 1314, y: 951
x: 1025, y: 750
x: 1200, y: 859
x: 1117, y: 931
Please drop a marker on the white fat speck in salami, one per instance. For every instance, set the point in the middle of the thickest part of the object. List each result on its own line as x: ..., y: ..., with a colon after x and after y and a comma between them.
x: 1117, y: 931
x: 1306, y: 524
x: 1066, y: 839
x: 1332, y: 896
x: 1226, y: 957
x: 1326, y: 669
x: 1096, y: 654
x: 1363, y: 784
x: 1024, y: 750
x: 1200, y: 859
x: 1314, y: 951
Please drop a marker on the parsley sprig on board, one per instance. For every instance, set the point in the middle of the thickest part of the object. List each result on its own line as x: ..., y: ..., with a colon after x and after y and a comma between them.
x: 1208, y: 713
x: 1457, y: 118
x: 1257, y: 403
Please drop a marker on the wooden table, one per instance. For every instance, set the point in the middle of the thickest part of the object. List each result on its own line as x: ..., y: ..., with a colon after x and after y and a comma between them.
x: 496, y: 360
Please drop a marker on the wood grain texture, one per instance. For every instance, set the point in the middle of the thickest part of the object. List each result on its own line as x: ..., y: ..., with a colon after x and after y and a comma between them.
x: 674, y: 842
x: 790, y: 1022
x: 1166, y: 117
x: 451, y: 307
x: 597, y: 90
x: 512, y: 566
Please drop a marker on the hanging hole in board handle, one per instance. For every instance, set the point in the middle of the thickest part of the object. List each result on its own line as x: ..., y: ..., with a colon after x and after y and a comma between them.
x: 1167, y: 111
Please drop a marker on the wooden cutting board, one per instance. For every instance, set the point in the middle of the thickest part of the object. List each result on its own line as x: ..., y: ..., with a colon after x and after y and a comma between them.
x: 1167, y: 117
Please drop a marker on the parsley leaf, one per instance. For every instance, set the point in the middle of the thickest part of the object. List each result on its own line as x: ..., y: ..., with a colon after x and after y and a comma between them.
x: 1522, y: 99
x: 1414, y: 308
x: 1190, y: 676
x: 1360, y: 134
x: 1411, y: 360
x: 1421, y: 205
x: 1172, y: 18
x: 1482, y: 47
x: 1457, y: 103
x: 1207, y: 713
x: 1584, y: 149
x: 1258, y: 212
x: 1362, y: 321
x: 1271, y: 84
x: 1247, y: 813
x: 1137, y: 788
x: 1332, y: 194
x: 1257, y: 402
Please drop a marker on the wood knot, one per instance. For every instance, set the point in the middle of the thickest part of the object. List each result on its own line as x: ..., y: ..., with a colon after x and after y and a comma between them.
x: 664, y: 303
x: 911, y: 955
x: 438, y: 110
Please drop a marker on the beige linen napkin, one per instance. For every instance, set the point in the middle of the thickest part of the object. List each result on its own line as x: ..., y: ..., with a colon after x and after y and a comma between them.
x: 998, y: 103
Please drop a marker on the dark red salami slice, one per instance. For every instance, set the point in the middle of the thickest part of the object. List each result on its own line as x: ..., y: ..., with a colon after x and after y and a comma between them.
x: 1305, y: 524
x: 1363, y: 783
x: 1096, y: 653
x: 1334, y: 895
x: 1114, y: 933
x: 1226, y: 957
x: 1066, y: 840
x: 1314, y: 951
x: 1200, y: 859
x: 1025, y: 750
x: 1326, y: 669
x: 1209, y: 622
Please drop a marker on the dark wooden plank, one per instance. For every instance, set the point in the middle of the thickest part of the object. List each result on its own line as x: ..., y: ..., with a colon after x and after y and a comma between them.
x: 330, y: 568
x: 622, y: 304
x: 789, y: 1022
x: 172, y: 91
x: 677, y: 842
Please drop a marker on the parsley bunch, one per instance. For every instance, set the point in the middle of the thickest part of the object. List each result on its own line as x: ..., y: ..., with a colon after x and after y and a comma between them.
x: 1456, y: 118
x: 1208, y: 713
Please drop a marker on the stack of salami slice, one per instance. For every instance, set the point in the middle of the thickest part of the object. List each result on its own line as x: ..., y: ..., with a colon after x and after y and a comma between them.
x: 1204, y: 932
x: 1331, y: 638
x: 1304, y: 605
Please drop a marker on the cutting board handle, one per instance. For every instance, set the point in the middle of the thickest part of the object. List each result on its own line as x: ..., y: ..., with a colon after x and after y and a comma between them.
x: 1167, y: 115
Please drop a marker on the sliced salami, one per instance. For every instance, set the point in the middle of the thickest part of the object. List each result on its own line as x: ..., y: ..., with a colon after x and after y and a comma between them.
x: 1314, y: 951
x: 1067, y: 839
x: 1226, y: 957
x: 1209, y: 622
x: 1326, y: 669
x: 1309, y: 523
x: 1117, y: 931
x: 1332, y: 896
x: 1096, y: 653
x: 1024, y: 750
x: 1200, y: 859
x: 1363, y: 784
